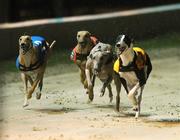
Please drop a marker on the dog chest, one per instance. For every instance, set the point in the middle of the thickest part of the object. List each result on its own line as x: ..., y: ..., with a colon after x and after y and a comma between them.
x: 130, y: 77
x: 103, y: 74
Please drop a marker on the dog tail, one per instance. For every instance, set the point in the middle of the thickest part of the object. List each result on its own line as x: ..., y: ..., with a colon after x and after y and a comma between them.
x: 52, y: 44
x: 49, y: 51
x: 149, y: 65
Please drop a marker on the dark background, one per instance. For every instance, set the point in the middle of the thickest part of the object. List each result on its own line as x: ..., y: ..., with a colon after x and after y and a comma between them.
x: 139, y: 26
x: 20, y: 10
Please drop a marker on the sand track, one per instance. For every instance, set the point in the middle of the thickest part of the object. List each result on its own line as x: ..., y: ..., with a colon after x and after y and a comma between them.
x: 63, y: 112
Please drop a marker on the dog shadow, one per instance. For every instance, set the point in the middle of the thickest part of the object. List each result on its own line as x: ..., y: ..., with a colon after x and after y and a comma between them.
x: 143, y: 115
x: 52, y: 111
x: 127, y: 112
x: 103, y: 106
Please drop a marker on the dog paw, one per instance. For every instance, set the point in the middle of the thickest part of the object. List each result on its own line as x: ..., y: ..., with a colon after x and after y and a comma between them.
x: 137, y: 115
x: 38, y: 95
x: 91, y: 97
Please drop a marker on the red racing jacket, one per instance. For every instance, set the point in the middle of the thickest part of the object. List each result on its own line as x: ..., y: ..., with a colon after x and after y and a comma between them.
x: 76, y: 56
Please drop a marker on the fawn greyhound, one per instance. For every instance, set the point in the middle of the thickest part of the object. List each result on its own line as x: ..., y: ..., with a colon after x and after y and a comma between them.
x: 32, y: 60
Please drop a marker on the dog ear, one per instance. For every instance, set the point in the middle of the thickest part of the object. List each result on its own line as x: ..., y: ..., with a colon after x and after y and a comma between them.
x: 88, y: 33
x: 118, y: 38
x: 127, y: 40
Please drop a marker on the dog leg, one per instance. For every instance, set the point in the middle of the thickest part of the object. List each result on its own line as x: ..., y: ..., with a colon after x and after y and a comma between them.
x: 40, y: 85
x: 117, y: 82
x: 30, y: 79
x: 88, y: 76
x: 91, y: 91
x: 139, y: 102
x: 133, y: 99
x: 83, y: 79
x: 110, y: 93
x: 25, y: 81
x: 103, y: 90
x: 90, y: 84
x: 105, y: 84
x: 37, y: 80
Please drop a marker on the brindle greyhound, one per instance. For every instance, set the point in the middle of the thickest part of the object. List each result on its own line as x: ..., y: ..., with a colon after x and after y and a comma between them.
x: 100, y: 64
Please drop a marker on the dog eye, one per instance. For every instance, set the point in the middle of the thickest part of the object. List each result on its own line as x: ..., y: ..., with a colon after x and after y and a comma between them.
x: 78, y: 36
x: 28, y: 39
x: 118, y: 45
x: 20, y: 39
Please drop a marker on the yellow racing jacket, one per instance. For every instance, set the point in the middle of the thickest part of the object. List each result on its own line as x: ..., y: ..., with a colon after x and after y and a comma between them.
x: 140, y: 60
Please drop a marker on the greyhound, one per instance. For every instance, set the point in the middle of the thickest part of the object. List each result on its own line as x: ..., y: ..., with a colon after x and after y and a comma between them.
x: 132, y: 69
x: 85, y: 43
x: 32, y: 59
x: 100, y: 63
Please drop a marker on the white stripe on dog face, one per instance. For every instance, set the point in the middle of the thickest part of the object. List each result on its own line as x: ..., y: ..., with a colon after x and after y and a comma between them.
x: 122, y: 39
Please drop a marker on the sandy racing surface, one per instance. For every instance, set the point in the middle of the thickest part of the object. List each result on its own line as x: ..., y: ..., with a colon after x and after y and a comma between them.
x: 63, y: 112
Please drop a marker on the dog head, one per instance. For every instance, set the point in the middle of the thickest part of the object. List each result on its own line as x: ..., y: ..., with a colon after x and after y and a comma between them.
x: 25, y: 44
x: 100, y: 58
x: 123, y: 43
x: 83, y: 38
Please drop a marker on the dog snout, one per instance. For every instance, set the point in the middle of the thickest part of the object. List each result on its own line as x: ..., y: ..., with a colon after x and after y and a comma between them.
x: 120, y: 48
x: 22, y: 44
x: 82, y: 43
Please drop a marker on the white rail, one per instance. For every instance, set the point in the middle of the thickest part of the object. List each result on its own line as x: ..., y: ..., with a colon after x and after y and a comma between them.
x: 148, y: 10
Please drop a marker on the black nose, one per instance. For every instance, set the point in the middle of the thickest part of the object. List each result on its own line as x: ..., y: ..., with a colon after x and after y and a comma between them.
x: 82, y: 43
x: 22, y: 44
